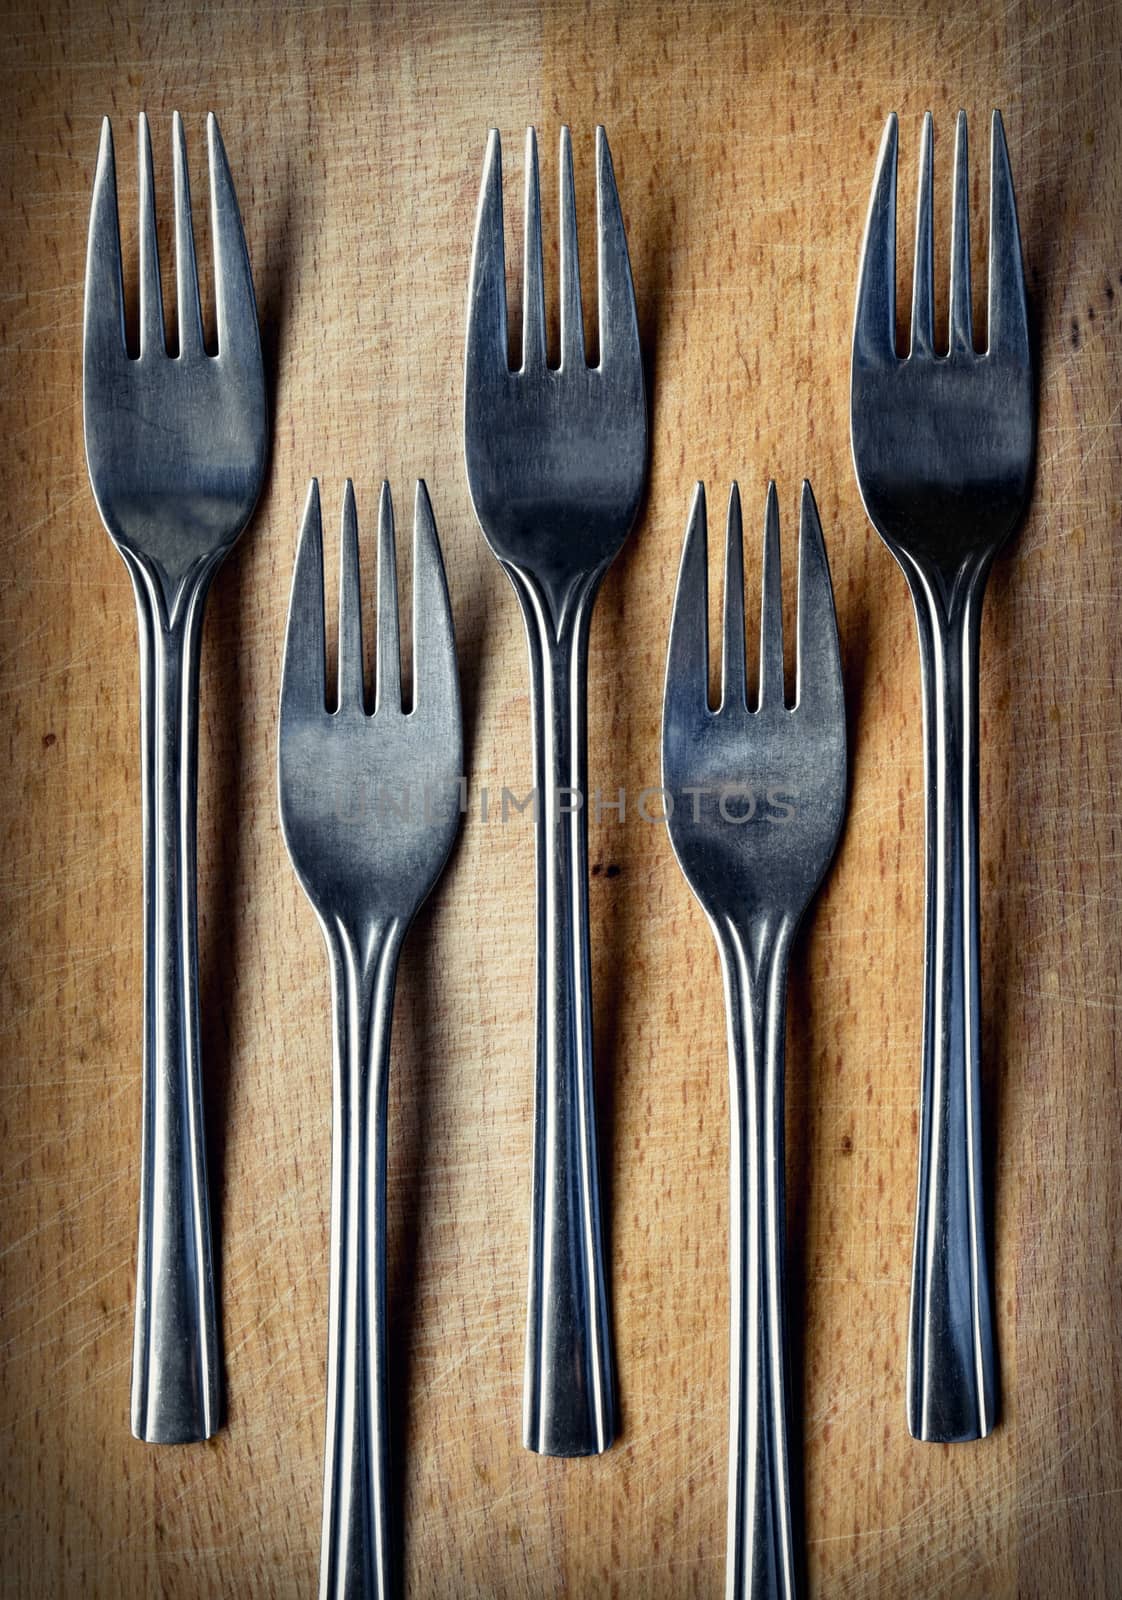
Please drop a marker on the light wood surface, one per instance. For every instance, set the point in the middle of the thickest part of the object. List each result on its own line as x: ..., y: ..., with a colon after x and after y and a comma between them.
x: 744, y: 140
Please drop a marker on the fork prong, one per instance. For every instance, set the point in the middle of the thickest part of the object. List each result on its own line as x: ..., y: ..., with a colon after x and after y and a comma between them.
x: 151, y: 300
x: 874, y: 332
x: 734, y: 679
x: 619, y: 322
x: 923, y: 285
x: 350, y: 607
x: 533, y: 292
x: 1008, y: 313
x: 234, y: 302
x: 771, y: 608
x: 304, y: 676
x: 434, y: 641
x: 487, y: 345
x: 388, y: 688
x: 104, y: 314
x: 818, y: 673
x: 572, y: 318
x: 961, y: 319
x: 687, y: 660
x: 186, y: 274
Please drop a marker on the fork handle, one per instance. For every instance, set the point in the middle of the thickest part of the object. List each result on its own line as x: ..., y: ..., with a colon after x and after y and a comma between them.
x: 951, y: 1385
x: 568, y: 1399
x: 355, y: 1550
x: 175, y: 1372
x: 760, y: 1561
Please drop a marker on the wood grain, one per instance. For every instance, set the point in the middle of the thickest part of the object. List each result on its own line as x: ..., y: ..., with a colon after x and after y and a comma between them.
x: 743, y: 139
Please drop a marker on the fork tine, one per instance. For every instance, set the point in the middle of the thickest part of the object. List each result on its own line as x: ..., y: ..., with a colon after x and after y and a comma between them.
x: 874, y: 332
x: 533, y: 293
x: 818, y: 673
x: 304, y: 677
x: 234, y: 301
x: 151, y: 300
x: 434, y: 641
x: 350, y: 607
x: 186, y: 274
x: 487, y: 345
x: 687, y: 661
x: 734, y: 685
x: 572, y: 319
x: 619, y: 322
x: 104, y: 314
x: 388, y: 689
x: 962, y: 326
x: 1008, y: 313
x: 771, y: 608
x: 923, y: 285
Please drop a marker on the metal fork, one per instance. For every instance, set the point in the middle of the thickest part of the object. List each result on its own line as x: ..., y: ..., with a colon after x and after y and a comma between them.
x: 943, y: 450
x: 369, y: 806
x: 176, y: 449
x: 766, y: 797
x: 556, y: 462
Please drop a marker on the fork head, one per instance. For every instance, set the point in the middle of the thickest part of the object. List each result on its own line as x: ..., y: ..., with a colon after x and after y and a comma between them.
x: 176, y: 445
x: 556, y: 457
x: 942, y: 444
x: 757, y: 795
x: 369, y: 804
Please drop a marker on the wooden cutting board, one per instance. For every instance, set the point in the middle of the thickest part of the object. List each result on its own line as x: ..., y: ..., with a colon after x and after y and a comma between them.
x: 744, y: 140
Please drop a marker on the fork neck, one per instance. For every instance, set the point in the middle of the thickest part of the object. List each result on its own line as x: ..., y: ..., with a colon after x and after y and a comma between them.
x: 947, y: 595
x: 556, y: 606
x: 359, y: 948
x: 169, y: 595
x: 759, y: 944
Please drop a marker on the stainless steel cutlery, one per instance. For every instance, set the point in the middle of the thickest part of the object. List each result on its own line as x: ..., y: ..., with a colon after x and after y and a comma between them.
x: 370, y: 799
x: 943, y: 449
x: 370, y: 805
x: 556, y: 463
x: 758, y: 798
x: 176, y: 448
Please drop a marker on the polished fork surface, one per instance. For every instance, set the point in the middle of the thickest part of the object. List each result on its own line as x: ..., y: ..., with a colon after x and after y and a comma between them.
x: 176, y: 448
x: 943, y: 450
x: 369, y: 806
x: 556, y: 462
x: 758, y: 801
